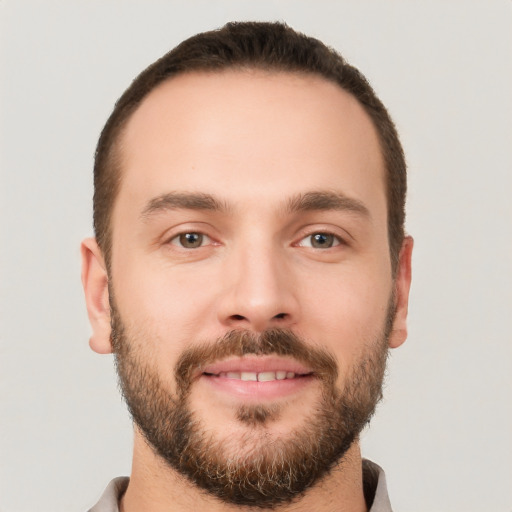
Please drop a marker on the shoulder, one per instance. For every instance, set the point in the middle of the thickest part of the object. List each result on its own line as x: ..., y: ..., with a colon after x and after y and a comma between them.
x: 110, y: 498
x: 375, y: 487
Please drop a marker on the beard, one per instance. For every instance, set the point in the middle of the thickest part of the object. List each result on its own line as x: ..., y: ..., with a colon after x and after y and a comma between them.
x: 258, y: 469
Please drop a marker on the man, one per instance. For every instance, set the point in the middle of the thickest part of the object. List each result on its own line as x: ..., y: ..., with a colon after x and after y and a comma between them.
x: 250, y: 272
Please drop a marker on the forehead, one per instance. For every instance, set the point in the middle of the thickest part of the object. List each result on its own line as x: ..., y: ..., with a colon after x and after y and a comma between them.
x: 258, y: 134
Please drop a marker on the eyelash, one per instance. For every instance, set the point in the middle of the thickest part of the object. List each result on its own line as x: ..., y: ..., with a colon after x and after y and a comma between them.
x: 181, y: 237
x: 330, y: 239
x: 335, y: 240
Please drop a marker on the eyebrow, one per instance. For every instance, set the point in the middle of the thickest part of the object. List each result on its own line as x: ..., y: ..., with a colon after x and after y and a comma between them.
x: 308, y: 201
x: 326, y: 200
x: 183, y: 200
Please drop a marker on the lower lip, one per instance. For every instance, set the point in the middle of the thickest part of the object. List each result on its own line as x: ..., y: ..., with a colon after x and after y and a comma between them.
x: 254, y: 390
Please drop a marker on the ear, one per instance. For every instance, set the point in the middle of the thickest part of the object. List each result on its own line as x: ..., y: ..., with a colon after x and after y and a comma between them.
x: 95, y: 283
x: 402, y: 287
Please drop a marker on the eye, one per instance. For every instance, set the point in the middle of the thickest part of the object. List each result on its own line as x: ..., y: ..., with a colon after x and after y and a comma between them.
x: 320, y: 241
x: 190, y: 240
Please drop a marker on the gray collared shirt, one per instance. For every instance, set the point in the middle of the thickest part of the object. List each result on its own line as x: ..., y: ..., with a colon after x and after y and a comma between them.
x: 374, y: 483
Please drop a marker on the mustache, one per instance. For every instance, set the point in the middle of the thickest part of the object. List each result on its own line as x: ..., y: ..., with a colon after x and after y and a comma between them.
x: 239, y: 343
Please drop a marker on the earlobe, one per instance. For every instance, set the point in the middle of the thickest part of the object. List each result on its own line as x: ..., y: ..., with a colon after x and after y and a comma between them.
x: 95, y: 283
x: 402, y: 286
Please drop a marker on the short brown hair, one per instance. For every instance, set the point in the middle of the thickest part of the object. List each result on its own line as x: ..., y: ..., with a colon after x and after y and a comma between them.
x: 269, y: 46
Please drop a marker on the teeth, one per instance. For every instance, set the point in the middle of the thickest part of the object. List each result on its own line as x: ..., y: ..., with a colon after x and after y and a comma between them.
x: 266, y: 376
x: 260, y: 377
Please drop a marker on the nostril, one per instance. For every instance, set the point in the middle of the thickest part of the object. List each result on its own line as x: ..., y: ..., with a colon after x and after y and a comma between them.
x: 238, y: 317
x: 280, y: 316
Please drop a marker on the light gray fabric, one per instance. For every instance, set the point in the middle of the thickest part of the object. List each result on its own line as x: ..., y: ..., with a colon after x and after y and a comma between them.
x: 376, y: 490
x: 373, y: 476
x: 109, y: 501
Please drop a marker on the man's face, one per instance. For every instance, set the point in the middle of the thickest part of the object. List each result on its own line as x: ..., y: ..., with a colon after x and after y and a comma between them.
x: 251, y: 205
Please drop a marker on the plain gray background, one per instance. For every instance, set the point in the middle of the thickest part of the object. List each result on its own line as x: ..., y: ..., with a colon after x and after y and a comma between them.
x: 443, y: 68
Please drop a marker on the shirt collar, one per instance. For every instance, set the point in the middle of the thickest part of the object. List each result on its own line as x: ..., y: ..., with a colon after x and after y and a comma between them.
x: 374, y: 485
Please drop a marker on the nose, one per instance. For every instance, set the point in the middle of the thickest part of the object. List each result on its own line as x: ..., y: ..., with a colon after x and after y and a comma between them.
x: 259, y: 291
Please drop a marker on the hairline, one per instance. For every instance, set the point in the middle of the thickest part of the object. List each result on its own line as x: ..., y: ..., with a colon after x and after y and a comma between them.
x: 115, y: 156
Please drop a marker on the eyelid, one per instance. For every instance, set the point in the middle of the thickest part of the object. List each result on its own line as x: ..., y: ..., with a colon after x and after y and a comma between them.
x: 341, y: 236
x: 337, y: 240
x: 184, y: 224
x: 171, y: 235
x: 174, y: 240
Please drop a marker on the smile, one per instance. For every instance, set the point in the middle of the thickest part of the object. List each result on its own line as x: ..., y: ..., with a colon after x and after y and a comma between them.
x: 259, y: 377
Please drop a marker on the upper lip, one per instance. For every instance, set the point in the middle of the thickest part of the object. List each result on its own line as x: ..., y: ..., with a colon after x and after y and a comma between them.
x: 256, y: 364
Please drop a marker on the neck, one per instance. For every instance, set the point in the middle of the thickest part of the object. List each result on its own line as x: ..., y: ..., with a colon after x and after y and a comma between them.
x: 155, y: 486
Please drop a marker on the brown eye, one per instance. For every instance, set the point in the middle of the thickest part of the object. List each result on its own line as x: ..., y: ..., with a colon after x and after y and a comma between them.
x: 320, y: 241
x: 190, y: 240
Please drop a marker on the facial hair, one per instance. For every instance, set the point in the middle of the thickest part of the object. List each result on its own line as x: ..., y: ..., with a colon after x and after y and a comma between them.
x: 274, y: 470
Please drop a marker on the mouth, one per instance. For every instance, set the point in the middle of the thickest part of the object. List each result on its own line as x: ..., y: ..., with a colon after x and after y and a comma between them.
x: 256, y: 378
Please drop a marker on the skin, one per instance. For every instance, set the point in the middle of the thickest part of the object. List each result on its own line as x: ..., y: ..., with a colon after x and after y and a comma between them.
x: 255, y: 142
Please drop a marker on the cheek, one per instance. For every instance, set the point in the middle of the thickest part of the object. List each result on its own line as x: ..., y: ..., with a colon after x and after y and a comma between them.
x: 168, y: 307
x: 346, y: 312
